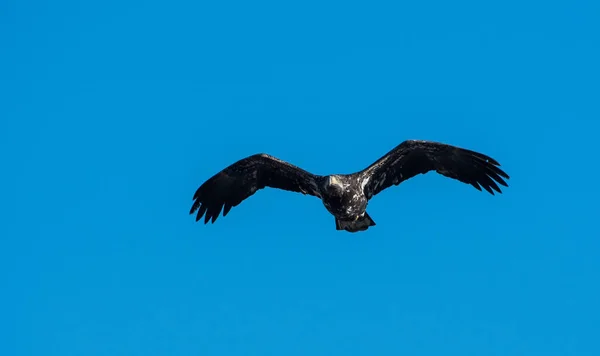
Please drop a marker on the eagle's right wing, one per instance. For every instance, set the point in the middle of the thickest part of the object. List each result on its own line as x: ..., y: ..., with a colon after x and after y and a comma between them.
x: 243, y: 178
x: 413, y: 157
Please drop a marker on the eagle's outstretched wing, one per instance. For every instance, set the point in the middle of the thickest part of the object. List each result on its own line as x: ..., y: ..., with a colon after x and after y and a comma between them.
x: 414, y: 157
x: 243, y: 178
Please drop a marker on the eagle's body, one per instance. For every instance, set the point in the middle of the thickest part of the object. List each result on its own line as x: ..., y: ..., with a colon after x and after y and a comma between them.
x: 345, y: 196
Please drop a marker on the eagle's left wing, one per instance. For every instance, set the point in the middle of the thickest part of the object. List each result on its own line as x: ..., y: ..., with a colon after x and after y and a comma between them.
x: 243, y: 178
x: 414, y: 157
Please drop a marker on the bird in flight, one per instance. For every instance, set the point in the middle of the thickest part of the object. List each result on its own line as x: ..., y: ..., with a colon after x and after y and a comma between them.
x: 345, y: 196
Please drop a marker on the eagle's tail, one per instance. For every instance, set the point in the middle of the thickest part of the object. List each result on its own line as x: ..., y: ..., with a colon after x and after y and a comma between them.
x: 361, y: 224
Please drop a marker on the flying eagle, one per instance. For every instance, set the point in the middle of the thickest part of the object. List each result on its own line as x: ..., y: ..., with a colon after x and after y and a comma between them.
x: 345, y: 196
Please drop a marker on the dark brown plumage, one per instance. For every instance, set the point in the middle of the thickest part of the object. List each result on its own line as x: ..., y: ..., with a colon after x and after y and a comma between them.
x: 243, y: 178
x: 345, y: 196
x: 414, y: 157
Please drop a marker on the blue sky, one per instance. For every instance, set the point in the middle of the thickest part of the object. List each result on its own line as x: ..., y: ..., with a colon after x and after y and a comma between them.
x: 113, y: 113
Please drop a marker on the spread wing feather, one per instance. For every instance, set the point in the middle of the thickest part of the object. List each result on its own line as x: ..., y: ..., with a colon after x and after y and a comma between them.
x: 414, y: 157
x: 243, y: 178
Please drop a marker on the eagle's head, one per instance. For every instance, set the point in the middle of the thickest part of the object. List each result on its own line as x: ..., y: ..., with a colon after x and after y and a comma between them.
x: 333, y: 185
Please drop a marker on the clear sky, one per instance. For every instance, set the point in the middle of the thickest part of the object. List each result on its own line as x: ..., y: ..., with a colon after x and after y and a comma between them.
x: 112, y: 113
